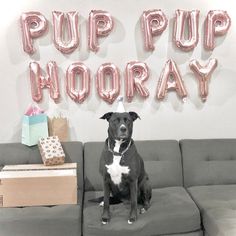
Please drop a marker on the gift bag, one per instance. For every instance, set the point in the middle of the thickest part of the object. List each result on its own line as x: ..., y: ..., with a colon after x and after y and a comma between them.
x: 51, y: 151
x: 58, y: 126
x: 34, y: 126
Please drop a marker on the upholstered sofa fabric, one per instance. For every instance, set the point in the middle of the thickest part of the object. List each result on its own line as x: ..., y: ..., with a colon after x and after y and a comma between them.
x: 209, y: 173
x: 40, y: 221
x: 220, y: 222
x: 217, y: 204
x: 209, y: 161
x: 172, y: 210
x: 92, y: 177
x: 162, y: 162
x: 197, y: 233
x: 214, y: 196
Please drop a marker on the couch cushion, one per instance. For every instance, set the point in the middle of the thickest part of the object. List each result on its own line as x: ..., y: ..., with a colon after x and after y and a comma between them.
x: 209, y: 161
x: 162, y: 163
x: 218, y: 207
x: 172, y: 211
x: 220, y: 222
x: 39, y: 221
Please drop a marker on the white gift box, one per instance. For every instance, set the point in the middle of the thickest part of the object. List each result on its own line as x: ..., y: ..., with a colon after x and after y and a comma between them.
x: 51, y: 151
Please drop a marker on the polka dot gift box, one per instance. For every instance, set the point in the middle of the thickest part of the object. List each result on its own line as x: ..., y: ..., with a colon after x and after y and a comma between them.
x: 51, y: 151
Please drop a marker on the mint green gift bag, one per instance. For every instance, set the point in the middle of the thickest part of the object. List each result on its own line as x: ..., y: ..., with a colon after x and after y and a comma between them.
x: 34, y: 126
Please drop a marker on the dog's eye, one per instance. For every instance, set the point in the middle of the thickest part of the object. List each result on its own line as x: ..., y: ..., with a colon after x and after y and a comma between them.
x: 126, y: 120
x: 116, y: 121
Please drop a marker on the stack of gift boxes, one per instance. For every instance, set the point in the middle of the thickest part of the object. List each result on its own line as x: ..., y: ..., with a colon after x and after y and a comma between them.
x: 52, y: 183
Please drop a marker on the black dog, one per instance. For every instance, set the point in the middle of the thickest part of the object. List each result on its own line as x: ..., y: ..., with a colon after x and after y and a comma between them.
x: 122, y: 167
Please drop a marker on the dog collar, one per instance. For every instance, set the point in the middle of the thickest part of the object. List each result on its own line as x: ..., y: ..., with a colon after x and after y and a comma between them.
x: 117, y: 153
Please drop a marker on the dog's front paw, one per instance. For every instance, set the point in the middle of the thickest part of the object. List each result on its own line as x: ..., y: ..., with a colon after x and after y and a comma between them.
x: 105, y: 218
x: 146, y: 205
x: 132, y: 218
x: 142, y: 210
x: 105, y: 221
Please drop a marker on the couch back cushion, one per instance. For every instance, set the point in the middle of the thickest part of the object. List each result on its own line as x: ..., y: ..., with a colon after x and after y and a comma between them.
x: 17, y: 153
x: 209, y: 161
x: 162, y: 163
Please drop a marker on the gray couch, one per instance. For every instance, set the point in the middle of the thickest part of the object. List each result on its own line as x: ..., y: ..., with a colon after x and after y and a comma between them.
x: 194, y: 192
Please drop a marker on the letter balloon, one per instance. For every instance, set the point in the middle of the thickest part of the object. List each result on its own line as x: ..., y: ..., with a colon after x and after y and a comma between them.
x: 105, y: 70
x: 136, y: 74
x: 153, y: 23
x: 77, y: 68
x: 203, y: 74
x: 217, y: 23
x: 181, y: 17
x: 38, y: 81
x: 100, y: 25
x: 33, y: 25
x: 73, y: 36
x: 170, y: 79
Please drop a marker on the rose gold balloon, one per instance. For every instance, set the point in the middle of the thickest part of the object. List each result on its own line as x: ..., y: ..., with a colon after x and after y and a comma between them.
x: 153, y: 23
x: 136, y: 74
x: 33, y: 25
x: 108, y: 69
x: 217, y: 23
x: 38, y: 81
x: 203, y: 74
x: 170, y: 79
x: 73, y: 36
x: 100, y: 25
x: 179, y: 29
x: 78, y: 95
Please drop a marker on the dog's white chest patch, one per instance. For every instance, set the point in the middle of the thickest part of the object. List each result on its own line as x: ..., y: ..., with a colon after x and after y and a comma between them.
x: 115, y: 169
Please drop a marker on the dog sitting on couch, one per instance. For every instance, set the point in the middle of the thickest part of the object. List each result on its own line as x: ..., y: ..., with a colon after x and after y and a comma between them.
x: 122, y: 168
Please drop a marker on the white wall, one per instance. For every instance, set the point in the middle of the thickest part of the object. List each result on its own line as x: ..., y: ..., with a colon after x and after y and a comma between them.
x: 169, y: 119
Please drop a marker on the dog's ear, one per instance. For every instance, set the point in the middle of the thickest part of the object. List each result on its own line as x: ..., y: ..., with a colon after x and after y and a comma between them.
x: 134, y: 115
x: 107, y: 116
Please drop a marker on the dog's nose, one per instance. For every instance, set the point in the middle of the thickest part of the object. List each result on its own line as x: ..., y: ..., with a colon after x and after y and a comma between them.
x: 123, y: 129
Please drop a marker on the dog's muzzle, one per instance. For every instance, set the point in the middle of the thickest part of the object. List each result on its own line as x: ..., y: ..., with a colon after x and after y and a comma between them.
x: 123, y: 132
